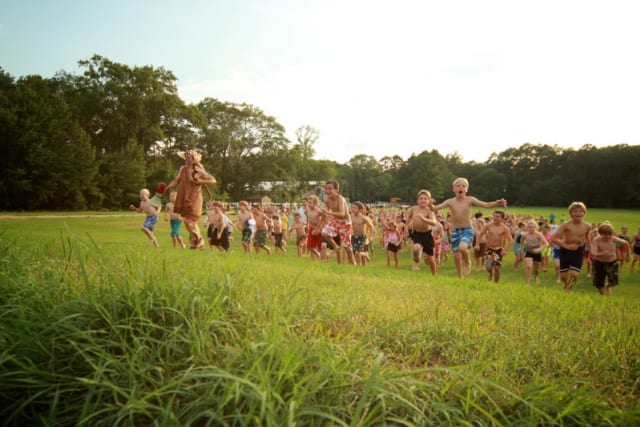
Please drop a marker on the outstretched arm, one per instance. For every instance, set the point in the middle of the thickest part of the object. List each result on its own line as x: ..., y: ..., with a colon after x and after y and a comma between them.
x: 437, y: 207
x: 499, y: 202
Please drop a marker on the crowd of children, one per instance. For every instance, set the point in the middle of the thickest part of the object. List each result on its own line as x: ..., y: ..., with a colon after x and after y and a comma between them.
x: 350, y: 231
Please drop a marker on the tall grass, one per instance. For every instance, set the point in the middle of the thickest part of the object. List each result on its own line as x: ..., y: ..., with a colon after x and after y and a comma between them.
x: 99, y: 328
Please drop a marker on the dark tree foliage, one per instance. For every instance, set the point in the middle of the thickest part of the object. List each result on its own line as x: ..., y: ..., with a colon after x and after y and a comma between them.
x: 48, y: 161
x: 92, y: 141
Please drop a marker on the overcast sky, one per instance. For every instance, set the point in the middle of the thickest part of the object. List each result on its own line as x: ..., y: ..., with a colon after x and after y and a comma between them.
x: 374, y: 77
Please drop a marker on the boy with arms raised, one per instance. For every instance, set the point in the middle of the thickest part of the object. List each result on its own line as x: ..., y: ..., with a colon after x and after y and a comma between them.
x: 497, y: 233
x: 572, y: 237
x: 462, y: 230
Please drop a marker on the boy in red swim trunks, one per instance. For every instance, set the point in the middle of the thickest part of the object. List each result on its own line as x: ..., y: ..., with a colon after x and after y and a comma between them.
x: 338, y: 223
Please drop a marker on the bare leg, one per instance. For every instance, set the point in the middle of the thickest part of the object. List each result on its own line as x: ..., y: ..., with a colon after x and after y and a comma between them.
x: 458, y: 261
x: 415, y: 251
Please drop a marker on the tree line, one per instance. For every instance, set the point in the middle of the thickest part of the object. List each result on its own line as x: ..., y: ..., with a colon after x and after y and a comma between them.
x: 93, y: 140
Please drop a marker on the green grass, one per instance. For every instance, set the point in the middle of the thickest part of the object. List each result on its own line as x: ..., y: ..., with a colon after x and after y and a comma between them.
x: 99, y: 328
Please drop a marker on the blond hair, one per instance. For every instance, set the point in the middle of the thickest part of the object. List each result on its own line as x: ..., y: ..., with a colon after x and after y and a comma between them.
x: 461, y: 180
x: 577, y: 205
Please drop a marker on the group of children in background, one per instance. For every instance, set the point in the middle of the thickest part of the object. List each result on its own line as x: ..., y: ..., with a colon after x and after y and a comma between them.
x: 349, y: 231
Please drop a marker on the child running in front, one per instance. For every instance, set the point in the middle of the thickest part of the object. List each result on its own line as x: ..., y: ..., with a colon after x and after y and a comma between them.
x: 496, y: 233
x: 421, y: 221
x: 462, y: 230
x: 152, y: 213
x: 572, y: 237
x: 605, y: 265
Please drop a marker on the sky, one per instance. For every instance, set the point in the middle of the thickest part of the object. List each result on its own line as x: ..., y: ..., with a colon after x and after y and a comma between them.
x: 379, y: 78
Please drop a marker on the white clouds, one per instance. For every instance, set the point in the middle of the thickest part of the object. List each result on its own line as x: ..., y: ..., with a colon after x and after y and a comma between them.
x: 386, y: 78
x: 375, y: 77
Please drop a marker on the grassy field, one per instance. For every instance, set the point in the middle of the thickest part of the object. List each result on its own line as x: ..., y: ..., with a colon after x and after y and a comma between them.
x: 100, y: 328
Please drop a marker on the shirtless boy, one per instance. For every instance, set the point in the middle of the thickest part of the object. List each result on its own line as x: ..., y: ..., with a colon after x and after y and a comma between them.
x: 571, y: 237
x: 244, y: 225
x: 152, y: 213
x: 604, y: 259
x: 462, y: 230
x: 496, y: 233
x: 263, y: 225
x: 299, y: 227
x: 338, y: 222
x: 315, y: 221
x: 359, y: 235
x: 421, y: 220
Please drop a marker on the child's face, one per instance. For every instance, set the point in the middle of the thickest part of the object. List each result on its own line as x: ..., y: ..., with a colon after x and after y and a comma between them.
x: 460, y: 188
x: 355, y: 209
x: 144, y: 196
x: 172, y: 197
x: 423, y: 200
x: 577, y: 213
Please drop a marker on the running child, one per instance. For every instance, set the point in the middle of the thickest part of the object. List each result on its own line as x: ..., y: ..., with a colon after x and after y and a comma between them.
x: 462, y: 230
x: 421, y: 220
x: 174, y: 221
x: 604, y: 258
x: 572, y: 237
x: 496, y: 233
x: 152, y: 213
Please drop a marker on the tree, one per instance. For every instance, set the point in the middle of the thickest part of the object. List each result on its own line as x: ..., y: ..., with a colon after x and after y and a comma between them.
x: 391, y: 163
x: 239, y: 141
x: 525, y: 165
x: 50, y: 163
x: 365, y: 179
x: 117, y: 104
x: 426, y: 170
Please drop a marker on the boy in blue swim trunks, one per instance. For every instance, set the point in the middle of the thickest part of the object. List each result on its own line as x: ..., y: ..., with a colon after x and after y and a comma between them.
x: 152, y: 213
x: 462, y: 230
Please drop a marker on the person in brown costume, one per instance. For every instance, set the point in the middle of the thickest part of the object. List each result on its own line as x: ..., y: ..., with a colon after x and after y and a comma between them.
x: 191, y: 177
